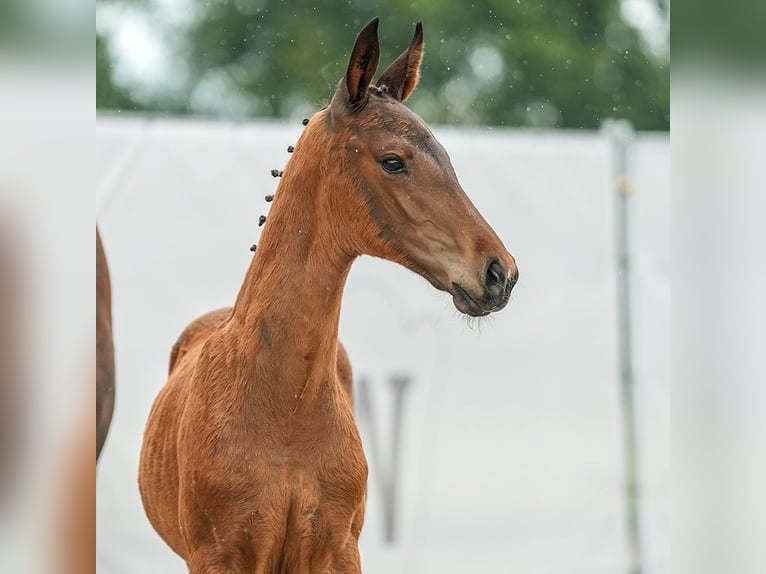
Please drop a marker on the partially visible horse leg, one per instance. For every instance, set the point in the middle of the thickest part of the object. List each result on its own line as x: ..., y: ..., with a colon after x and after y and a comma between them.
x: 205, y: 562
x: 104, y: 348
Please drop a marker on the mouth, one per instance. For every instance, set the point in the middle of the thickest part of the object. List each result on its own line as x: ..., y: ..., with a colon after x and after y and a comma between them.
x: 470, y: 305
x: 467, y: 304
x: 462, y: 299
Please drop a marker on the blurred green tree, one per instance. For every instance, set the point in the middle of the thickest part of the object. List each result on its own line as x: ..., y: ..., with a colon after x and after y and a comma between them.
x: 542, y: 63
x: 108, y: 94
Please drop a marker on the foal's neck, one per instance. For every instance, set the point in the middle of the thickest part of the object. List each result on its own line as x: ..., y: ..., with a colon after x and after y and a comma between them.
x: 289, y: 305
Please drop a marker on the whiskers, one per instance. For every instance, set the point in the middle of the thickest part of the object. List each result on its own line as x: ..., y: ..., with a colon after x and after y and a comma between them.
x: 473, y: 323
x: 477, y: 323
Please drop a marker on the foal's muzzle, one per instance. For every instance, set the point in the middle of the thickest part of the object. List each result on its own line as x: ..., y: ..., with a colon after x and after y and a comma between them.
x: 497, y: 285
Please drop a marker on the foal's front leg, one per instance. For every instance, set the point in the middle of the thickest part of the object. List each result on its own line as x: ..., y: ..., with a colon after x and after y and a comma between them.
x: 207, y: 562
x: 211, y: 561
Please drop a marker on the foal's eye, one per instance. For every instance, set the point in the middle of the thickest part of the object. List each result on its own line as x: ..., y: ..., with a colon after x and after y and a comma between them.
x: 393, y: 164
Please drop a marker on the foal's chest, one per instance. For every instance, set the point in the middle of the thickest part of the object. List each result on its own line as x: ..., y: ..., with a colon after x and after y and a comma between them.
x: 294, y: 517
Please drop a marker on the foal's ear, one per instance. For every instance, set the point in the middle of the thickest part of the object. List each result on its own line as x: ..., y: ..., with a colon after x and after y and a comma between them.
x: 403, y: 74
x: 362, y: 65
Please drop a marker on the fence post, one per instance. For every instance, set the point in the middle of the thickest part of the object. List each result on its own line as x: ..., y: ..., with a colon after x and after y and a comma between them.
x: 620, y: 135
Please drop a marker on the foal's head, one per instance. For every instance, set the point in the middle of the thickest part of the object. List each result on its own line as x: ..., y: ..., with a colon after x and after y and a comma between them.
x: 396, y: 189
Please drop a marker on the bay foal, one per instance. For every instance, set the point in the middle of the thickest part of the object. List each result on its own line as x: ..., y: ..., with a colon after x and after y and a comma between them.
x: 252, y: 460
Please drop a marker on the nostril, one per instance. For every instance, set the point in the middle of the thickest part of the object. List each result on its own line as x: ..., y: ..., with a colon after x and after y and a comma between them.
x: 495, y: 280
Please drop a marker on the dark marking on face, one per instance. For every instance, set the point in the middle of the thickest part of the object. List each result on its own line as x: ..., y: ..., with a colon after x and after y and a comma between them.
x: 384, y: 126
x: 265, y: 335
x: 403, y: 124
x: 315, y: 516
x: 426, y: 142
x: 377, y: 213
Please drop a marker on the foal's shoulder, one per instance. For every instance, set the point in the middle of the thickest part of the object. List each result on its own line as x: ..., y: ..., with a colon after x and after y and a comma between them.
x: 197, y: 331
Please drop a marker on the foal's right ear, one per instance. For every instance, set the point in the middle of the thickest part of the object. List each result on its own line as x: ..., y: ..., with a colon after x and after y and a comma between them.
x: 362, y: 66
x: 403, y: 75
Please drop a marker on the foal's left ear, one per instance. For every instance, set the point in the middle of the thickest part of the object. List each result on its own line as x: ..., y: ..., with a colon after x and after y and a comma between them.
x: 403, y: 74
x: 362, y: 65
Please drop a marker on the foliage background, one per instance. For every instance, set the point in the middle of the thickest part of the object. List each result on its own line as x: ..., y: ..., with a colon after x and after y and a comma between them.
x: 542, y: 63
